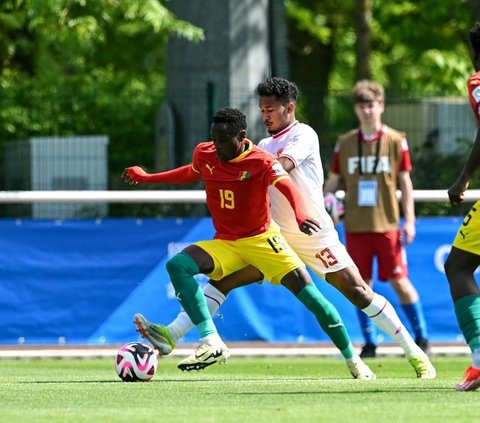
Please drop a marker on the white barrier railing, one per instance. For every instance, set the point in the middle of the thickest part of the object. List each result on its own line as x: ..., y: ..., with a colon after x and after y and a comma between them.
x: 181, y: 196
x: 186, y: 196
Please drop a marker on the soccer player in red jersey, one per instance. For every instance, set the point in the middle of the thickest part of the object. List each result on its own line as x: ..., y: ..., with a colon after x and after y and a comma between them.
x: 464, y: 258
x: 237, y: 175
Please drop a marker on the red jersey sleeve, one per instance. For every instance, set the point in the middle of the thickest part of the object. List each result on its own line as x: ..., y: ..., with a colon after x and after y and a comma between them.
x: 405, y: 162
x: 336, y: 161
x: 180, y: 175
x: 296, y: 200
x: 474, y: 94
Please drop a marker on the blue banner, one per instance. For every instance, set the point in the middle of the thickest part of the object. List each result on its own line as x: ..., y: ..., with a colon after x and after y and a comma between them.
x: 81, y: 282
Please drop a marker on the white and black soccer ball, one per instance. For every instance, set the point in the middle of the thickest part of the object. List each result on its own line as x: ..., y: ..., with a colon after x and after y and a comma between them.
x: 334, y: 207
x: 136, y: 362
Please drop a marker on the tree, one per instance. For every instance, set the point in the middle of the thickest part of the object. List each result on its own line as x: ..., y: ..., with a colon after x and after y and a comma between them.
x: 412, y: 48
x: 363, y: 22
x: 86, y: 67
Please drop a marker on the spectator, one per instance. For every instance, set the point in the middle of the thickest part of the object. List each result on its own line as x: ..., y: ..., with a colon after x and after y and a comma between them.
x: 370, y: 163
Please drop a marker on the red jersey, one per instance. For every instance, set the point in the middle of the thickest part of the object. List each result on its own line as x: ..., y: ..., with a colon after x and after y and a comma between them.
x: 474, y: 94
x: 237, y: 190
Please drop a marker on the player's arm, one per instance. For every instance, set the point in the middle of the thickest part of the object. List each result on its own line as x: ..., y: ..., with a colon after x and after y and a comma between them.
x: 181, y: 175
x: 306, y: 224
x: 457, y: 190
x: 333, y: 183
x: 408, y: 207
x: 286, y: 163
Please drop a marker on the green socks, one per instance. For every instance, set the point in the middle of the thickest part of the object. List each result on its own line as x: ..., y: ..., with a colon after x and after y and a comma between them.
x: 181, y: 269
x: 328, y: 317
x: 467, y: 310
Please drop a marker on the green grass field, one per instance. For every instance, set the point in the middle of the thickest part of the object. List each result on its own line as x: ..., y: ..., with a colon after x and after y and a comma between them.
x: 304, y: 389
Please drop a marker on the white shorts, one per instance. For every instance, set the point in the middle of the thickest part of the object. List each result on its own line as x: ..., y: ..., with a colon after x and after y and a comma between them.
x: 322, y: 252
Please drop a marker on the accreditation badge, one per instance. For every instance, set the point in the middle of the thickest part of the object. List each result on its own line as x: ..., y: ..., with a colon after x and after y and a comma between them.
x: 367, y: 193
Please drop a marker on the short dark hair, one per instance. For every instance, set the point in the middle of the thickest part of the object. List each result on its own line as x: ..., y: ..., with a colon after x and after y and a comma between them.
x: 283, y: 90
x: 234, y: 118
x: 475, y: 37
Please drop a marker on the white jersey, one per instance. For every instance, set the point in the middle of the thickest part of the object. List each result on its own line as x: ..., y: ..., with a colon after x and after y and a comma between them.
x: 322, y: 251
x: 299, y: 143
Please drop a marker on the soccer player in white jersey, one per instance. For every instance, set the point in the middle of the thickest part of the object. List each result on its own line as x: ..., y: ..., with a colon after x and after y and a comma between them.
x: 296, y: 146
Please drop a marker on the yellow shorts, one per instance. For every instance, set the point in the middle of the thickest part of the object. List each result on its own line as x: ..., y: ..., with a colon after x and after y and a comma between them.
x: 268, y: 252
x: 468, y: 235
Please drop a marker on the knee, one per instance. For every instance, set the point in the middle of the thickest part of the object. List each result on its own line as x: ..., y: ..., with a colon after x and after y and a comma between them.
x: 405, y: 290
x: 296, y: 280
x: 181, y: 264
x: 361, y: 295
x: 351, y: 284
x: 449, y: 267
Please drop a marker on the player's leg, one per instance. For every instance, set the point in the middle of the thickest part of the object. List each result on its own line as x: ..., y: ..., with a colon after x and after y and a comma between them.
x: 182, y: 268
x: 300, y: 284
x: 341, y: 272
x: 377, y: 307
x: 271, y: 254
x: 361, y: 250
x: 392, y: 266
x: 460, y: 267
x: 412, y: 307
x: 215, y: 294
x: 280, y: 264
x: 369, y: 332
x: 298, y: 281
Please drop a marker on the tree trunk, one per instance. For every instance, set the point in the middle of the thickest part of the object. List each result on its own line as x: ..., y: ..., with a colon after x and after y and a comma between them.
x: 311, y: 66
x: 363, y: 22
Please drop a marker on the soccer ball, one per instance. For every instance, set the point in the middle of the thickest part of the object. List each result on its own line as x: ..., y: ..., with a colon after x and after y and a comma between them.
x: 136, y: 362
x: 334, y: 207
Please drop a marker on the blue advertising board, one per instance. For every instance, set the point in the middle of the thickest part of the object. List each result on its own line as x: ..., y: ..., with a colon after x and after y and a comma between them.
x: 81, y: 282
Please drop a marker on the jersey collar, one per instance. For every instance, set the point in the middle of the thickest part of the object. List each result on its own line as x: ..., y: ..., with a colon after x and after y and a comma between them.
x: 247, y: 151
x: 284, y: 131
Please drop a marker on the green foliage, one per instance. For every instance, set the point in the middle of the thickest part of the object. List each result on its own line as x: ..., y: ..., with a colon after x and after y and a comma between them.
x: 424, y: 45
x: 86, y: 67
x: 419, y: 47
x: 432, y: 170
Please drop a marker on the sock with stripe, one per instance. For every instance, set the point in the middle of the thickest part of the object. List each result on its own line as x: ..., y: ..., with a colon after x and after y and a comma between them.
x: 329, y: 319
x: 182, y: 323
x: 181, y: 269
x: 385, y: 317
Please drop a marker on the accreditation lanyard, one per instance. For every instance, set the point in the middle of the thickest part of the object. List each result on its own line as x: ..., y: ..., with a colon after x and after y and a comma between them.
x: 368, y: 188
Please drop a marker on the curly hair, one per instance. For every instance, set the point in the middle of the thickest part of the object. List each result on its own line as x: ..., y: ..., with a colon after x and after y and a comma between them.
x: 474, y: 35
x: 283, y: 90
x: 234, y: 118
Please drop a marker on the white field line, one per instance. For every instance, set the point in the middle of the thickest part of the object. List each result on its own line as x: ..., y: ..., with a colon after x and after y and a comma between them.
x: 236, y: 351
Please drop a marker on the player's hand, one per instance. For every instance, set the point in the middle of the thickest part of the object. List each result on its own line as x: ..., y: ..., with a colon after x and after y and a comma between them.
x: 309, y: 226
x: 407, y: 233
x: 456, y: 193
x: 133, y: 175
